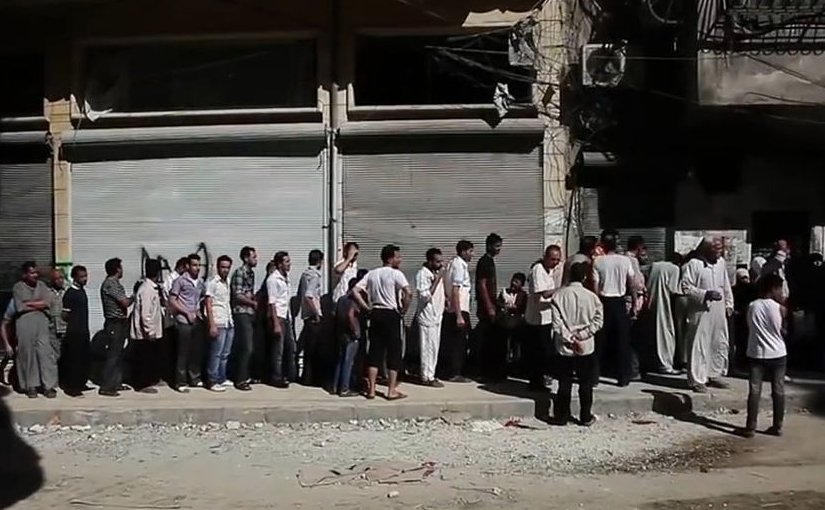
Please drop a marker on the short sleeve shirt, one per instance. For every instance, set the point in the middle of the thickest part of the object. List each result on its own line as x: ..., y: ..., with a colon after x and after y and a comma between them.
x: 218, y: 290
x: 538, y: 311
x: 111, y: 294
x: 485, y: 270
x: 311, y: 285
x: 460, y: 277
x: 24, y: 292
x: 188, y: 292
x: 382, y: 286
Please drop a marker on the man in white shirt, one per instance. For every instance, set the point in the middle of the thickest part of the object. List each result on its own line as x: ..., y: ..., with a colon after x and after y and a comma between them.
x: 457, y: 318
x: 706, y: 284
x: 541, y: 284
x: 429, y: 283
x: 283, y: 368
x: 383, y: 287
x: 616, y: 279
x: 345, y: 270
x: 766, y: 352
x: 221, y: 327
x: 146, y: 329
x: 577, y: 317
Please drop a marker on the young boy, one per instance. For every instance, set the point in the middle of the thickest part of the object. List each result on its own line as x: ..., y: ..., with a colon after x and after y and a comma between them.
x: 766, y: 352
x: 348, y: 328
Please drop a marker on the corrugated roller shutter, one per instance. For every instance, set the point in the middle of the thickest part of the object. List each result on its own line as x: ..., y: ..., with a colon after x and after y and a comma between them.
x: 595, y: 215
x: 25, y: 218
x: 423, y: 200
x: 169, y: 207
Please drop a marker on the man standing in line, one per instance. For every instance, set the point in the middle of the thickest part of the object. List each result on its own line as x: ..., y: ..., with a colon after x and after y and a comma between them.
x: 456, y: 323
x: 310, y: 290
x: 243, y: 314
x: 577, y: 317
x: 116, y: 325
x: 345, y: 270
x: 37, y: 353
x: 74, y: 354
x: 221, y: 327
x: 185, y: 300
x: 383, y: 286
x: 348, y: 335
x: 587, y: 247
x: 705, y: 282
x: 429, y: 282
x: 146, y: 329
x: 283, y: 366
x: 541, y: 285
x: 662, y: 285
x: 616, y: 281
x: 57, y: 326
x: 492, y: 343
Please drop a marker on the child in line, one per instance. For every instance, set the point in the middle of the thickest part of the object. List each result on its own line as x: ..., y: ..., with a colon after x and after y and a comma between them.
x: 766, y: 353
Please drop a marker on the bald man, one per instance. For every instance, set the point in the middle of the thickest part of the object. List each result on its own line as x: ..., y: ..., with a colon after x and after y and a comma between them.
x: 706, y: 284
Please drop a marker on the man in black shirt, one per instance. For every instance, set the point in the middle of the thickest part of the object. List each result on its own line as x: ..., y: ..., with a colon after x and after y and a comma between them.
x: 492, y: 343
x: 74, y: 357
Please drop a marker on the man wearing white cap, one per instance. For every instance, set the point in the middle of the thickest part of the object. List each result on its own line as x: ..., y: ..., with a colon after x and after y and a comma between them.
x: 706, y: 284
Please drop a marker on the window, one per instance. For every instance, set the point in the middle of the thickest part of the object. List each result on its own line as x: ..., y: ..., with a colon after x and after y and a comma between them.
x: 22, y: 82
x: 432, y: 70
x: 202, y: 76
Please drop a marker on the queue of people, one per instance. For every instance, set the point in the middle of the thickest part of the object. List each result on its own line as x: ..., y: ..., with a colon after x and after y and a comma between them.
x: 578, y: 319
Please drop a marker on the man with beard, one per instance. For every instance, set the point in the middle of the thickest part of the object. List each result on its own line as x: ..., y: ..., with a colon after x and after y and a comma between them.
x: 705, y: 282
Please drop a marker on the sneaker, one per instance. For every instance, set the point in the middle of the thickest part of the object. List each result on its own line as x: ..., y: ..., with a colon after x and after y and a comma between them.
x: 589, y: 423
x: 244, y: 386
x: 217, y: 388
x: 435, y: 383
x: 180, y: 389
x: 774, y: 431
x: 50, y: 393
x: 718, y: 383
x: 699, y: 388
x: 281, y: 384
x: 349, y: 394
x: 196, y: 384
x: 227, y: 384
x: 108, y: 393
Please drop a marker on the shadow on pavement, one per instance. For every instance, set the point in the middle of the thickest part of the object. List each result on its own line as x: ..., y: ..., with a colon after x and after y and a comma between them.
x: 520, y: 389
x: 679, y: 405
x: 20, y: 471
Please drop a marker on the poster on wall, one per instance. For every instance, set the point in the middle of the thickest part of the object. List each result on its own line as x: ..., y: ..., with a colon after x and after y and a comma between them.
x: 737, y: 249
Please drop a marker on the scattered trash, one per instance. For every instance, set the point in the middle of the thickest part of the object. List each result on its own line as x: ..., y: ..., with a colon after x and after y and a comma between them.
x: 454, y: 417
x: 37, y: 429
x: 393, y: 494
x: 486, y: 426
x: 384, y: 473
x: 233, y: 425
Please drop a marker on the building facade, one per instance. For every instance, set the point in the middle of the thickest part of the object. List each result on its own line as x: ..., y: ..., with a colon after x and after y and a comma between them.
x: 159, y: 130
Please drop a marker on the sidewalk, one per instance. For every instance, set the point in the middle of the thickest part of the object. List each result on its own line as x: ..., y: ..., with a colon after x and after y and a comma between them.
x: 302, y: 404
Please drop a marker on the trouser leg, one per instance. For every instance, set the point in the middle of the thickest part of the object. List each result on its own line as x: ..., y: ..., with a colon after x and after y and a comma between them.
x: 756, y: 373
x: 565, y: 374
x: 183, y: 335
x: 244, y: 335
x: 117, y: 331
x: 778, y: 392
x: 585, y: 371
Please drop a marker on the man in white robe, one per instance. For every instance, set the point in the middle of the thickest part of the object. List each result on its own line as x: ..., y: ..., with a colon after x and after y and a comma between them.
x: 706, y: 284
x: 662, y: 284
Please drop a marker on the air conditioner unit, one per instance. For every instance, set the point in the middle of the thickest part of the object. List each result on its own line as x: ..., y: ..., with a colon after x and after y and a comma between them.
x: 603, y: 64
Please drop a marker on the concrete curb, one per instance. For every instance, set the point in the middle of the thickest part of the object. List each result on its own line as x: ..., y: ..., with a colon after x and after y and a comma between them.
x: 665, y: 401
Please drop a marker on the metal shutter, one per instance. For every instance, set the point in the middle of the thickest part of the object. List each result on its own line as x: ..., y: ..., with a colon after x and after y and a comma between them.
x: 421, y: 200
x: 25, y: 218
x: 170, y: 206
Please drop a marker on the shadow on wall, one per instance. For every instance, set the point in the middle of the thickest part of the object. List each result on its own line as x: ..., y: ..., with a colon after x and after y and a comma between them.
x: 20, y: 471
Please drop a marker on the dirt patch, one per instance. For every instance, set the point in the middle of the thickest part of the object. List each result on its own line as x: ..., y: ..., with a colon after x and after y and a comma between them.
x: 790, y: 500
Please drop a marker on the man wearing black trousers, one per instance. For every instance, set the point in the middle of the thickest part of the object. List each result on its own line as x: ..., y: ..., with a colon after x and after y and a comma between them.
x: 616, y: 280
x: 456, y: 324
x: 74, y: 355
x: 185, y: 300
x: 116, y: 327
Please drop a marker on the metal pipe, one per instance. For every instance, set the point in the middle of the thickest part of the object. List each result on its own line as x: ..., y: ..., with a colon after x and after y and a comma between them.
x: 332, y: 149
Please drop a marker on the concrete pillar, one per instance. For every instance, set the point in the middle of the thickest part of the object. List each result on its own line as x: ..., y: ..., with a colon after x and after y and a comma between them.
x: 58, y: 111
